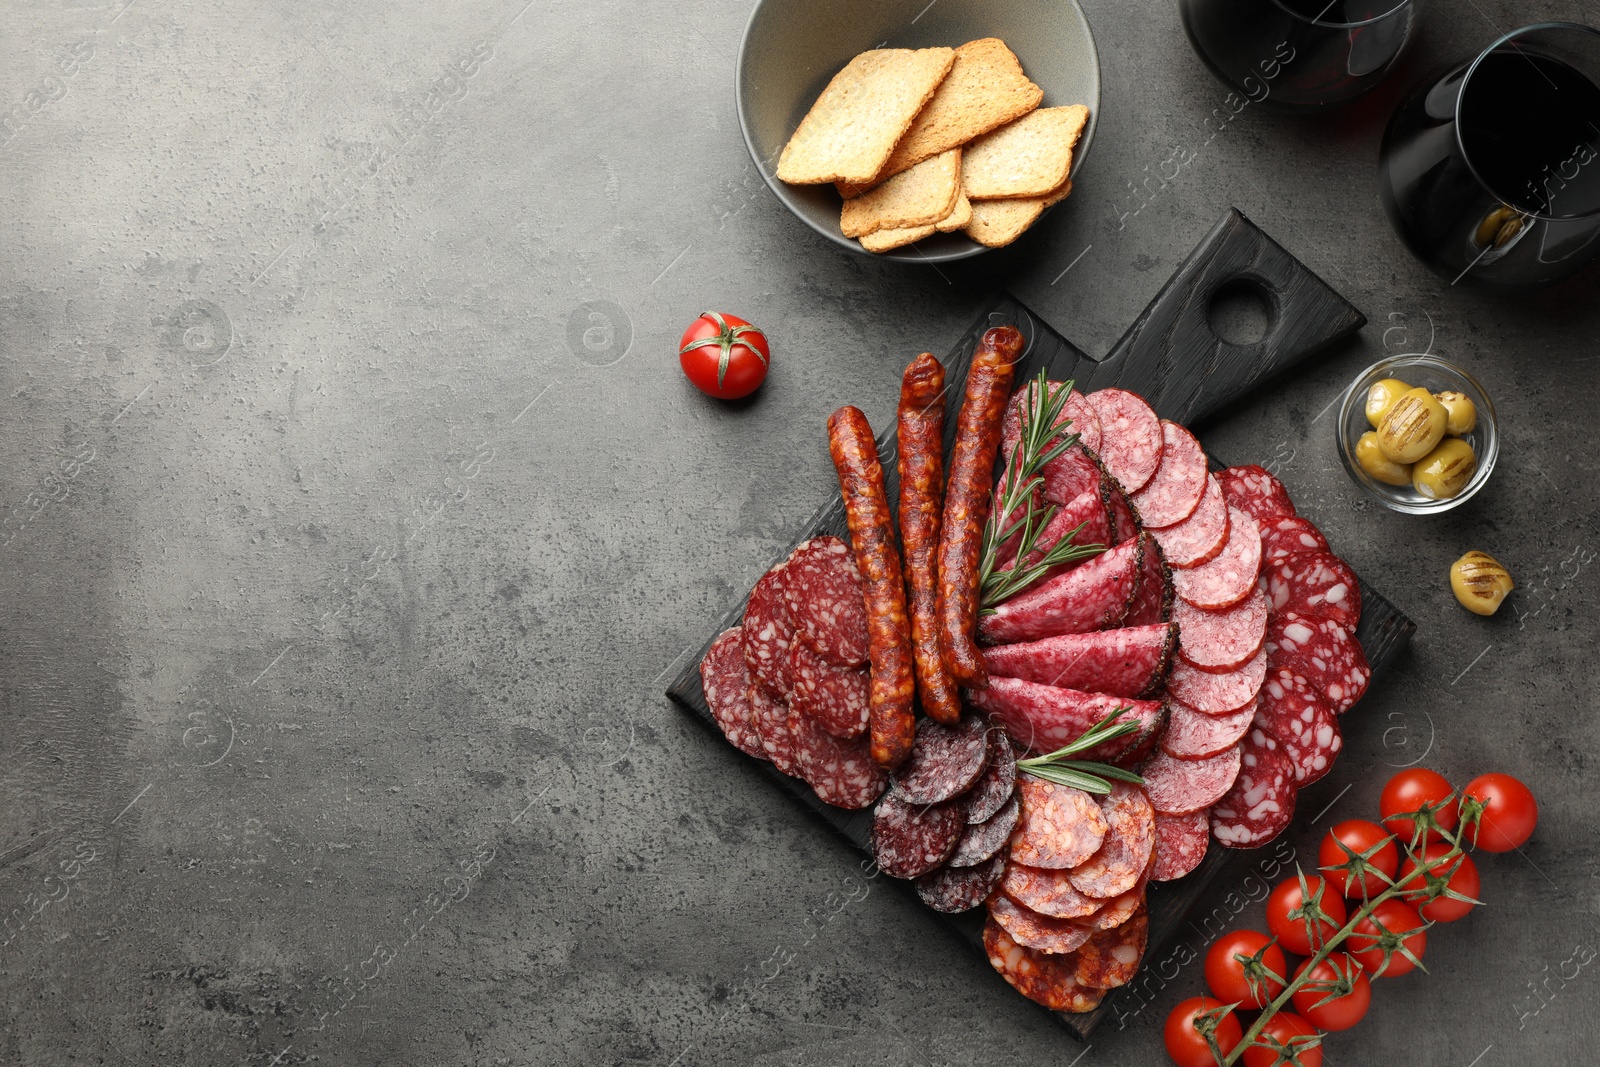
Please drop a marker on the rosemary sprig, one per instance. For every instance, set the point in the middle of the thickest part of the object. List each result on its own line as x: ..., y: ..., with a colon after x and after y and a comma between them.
x: 1087, y: 775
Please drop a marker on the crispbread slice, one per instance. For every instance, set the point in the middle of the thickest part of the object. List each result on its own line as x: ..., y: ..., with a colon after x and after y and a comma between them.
x: 866, y: 108
x: 996, y: 223
x: 1029, y: 157
x: 889, y: 240
x: 959, y: 216
x: 984, y: 89
x: 916, y: 197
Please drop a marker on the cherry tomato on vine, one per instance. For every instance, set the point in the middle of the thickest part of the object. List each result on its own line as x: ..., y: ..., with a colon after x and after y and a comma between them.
x: 1346, y: 1009
x: 1284, y: 1026
x: 1399, y: 919
x: 724, y: 356
x: 1186, y: 1045
x: 1291, y: 929
x: 1509, y: 815
x: 1360, y: 837
x: 1229, y: 977
x: 1463, y: 875
x: 1407, y: 792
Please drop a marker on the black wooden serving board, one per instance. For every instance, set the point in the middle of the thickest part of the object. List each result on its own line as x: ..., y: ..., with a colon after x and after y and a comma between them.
x: 1172, y: 358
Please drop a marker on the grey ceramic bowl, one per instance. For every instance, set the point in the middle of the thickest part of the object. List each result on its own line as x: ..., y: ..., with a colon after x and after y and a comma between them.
x: 792, y: 47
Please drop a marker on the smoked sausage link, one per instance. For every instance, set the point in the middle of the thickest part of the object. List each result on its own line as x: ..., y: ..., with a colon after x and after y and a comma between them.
x: 967, y: 500
x: 891, y: 720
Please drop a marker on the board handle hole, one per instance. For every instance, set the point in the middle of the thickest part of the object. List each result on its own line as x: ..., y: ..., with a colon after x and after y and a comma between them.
x: 1242, y: 312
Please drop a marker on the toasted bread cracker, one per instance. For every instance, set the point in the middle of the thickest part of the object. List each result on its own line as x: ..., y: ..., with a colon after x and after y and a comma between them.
x: 959, y: 216
x: 854, y: 125
x: 996, y: 223
x: 1029, y: 157
x: 985, y: 89
x: 924, y: 194
x: 889, y: 240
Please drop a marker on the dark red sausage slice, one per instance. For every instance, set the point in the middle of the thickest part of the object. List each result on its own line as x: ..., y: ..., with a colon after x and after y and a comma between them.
x: 1094, y: 596
x: 725, y: 679
x: 1261, y: 803
x: 945, y: 761
x: 836, y: 697
x: 1130, y: 443
x: 768, y: 632
x: 770, y: 716
x: 822, y: 590
x: 1290, y: 536
x: 1181, y: 843
x: 1322, y: 651
x: 841, y: 773
x: 957, y: 889
x: 1128, y: 662
x: 987, y: 839
x: 1257, y: 492
x: 909, y: 840
x: 1315, y: 583
x: 997, y: 783
x: 1174, y: 492
x: 1221, y: 641
x: 1303, y: 724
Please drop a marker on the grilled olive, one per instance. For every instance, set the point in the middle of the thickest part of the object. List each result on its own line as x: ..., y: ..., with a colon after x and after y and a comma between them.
x: 1412, y: 427
x: 1445, y: 471
x: 1377, y: 465
x: 1480, y: 582
x: 1382, y: 396
x: 1460, y: 413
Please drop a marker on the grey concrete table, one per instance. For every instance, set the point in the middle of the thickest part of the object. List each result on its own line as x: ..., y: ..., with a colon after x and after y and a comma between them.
x: 357, y: 511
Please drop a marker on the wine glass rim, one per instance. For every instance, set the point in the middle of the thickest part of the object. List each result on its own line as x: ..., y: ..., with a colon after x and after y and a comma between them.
x: 1341, y: 25
x: 1462, y: 92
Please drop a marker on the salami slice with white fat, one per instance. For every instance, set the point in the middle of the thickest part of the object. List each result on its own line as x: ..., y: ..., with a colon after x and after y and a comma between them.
x: 1315, y: 583
x: 1193, y: 734
x: 1177, y: 786
x: 1130, y: 442
x: 958, y: 889
x: 1120, y: 909
x: 1038, y: 932
x: 1111, y: 958
x: 1181, y: 844
x: 837, y: 697
x: 1123, y: 856
x: 997, y: 783
x: 768, y: 631
x: 1070, y: 475
x: 1085, y: 423
x: 770, y: 716
x: 822, y: 589
x: 1093, y: 596
x: 1199, y: 538
x: 1043, y: 718
x: 1174, y: 491
x: 1153, y: 600
x: 841, y: 773
x: 945, y: 761
x: 1324, y: 652
x: 1257, y: 492
x: 1086, y: 518
x: 985, y: 839
x: 1049, y: 892
x: 1302, y: 723
x: 1132, y: 661
x: 909, y: 840
x: 1261, y: 803
x: 1218, y: 694
x: 1041, y: 977
x: 1221, y: 641
x: 1288, y: 536
x: 725, y: 679
x: 1060, y: 826
x: 1230, y: 577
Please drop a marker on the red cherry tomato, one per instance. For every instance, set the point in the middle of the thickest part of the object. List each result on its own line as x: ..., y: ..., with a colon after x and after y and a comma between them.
x: 1284, y: 1027
x: 1230, y: 977
x: 1407, y: 792
x: 1290, y: 928
x: 1345, y: 1009
x: 724, y: 356
x: 1360, y: 837
x: 1509, y: 815
x: 1186, y: 1045
x: 1463, y: 878
x: 1399, y: 919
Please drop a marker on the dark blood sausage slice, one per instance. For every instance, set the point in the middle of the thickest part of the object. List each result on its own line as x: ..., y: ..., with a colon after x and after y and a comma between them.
x: 1218, y: 694
x: 1199, y: 538
x: 836, y: 697
x: 956, y: 889
x: 1230, y: 577
x: 1261, y: 802
x: 1048, y: 892
x: 986, y: 839
x: 1152, y: 601
x: 1179, y: 482
x: 725, y: 678
x: 1181, y: 843
x: 1303, y: 724
x: 822, y: 589
x: 967, y: 501
x: 1290, y: 536
x: 1221, y: 641
x: 770, y: 716
x: 945, y: 761
x: 1041, y: 977
x: 1043, y: 718
x: 1129, y: 662
x: 1178, y: 786
x: 1111, y: 958
x: 998, y: 781
x: 1192, y: 734
x: 920, y: 427
x: 1060, y: 826
x: 1123, y: 856
x: 1257, y: 492
x: 1094, y: 596
x: 841, y: 773
x: 1324, y: 652
x: 1315, y: 583
x: 768, y: 632
x: 1130, y: 442
x: 909, y: 840
x: 1038, y: 932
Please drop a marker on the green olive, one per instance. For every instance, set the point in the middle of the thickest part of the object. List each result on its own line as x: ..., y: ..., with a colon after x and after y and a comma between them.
x: 1370, y: 458
x: 1460, y: 413
x: 1480, y: 582
x: 1446, y: 470
x: 1412, y: 427
x: 1382, y: 396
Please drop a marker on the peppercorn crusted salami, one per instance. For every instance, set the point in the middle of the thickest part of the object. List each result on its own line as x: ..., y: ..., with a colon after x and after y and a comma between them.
x: 1123, y: 856
x: 957, y: 889
x: 1193, y: 734
x: 822, y: 590
x: 1130, y: 443
x: 1110, y: 958
x: 836, y: 697
x: 1229, y: 578
x: 1093, y: 596
x: 1201, y: 537
x: 909, y: 840
x: 725, y: 679
x: 997, y: 783
x: 768, y: 632
x: 1288, y: 536
x: 1218, y: 694
x: 770, y: 716
x: 1261, y: 803
x: 1088, y: 511
x: 1041, y: 977
x: 1181, y: 844
x: 1221, y: 641
x: 1153, y: 600
x: 1174, y: 491
x: 1060, y: 826
x: 1128, y: 662
x: 945, y: 761
x: 1315, y: 583
x: 1322, y: 651
x: 841, y: 773
x: 1049, y: 892
x: 1302, y: 723
x: 1070, y: 475
x: 1043, y: 718
x: 986, y: 839
x: 1177, y: 787
x: 1257, y: 492
x: 1038, y: 932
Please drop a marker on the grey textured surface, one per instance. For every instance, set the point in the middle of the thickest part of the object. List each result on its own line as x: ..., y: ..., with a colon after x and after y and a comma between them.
x: 348, y: 549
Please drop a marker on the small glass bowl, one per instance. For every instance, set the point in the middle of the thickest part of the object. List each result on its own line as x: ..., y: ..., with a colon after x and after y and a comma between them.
x: 1434, y: 375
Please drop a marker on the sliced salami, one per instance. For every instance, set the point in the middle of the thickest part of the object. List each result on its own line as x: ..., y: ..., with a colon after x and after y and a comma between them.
x: 1192, y: 734
x: 1060, y: 826
x: 1070, y: 475
x: 1174, y: 492
x: 1111, y: 958
x: 1130, y: 441
x: 1153, y: 601
x: 1129, y: 662
x: 1125, y: 519
x: 1218, y: 694
x: 1221, y: 641
x: 957, y: 889
x: 1322, y: 651
x: 1122, y: 858
x: 1315, y: 583
x: 1048, y: 892
x: 725, y: 679
x: 1257, y: 492
x: 1085, y: 423
x: 1143, y: 748
x: 985, y: 839
x: 841, y: 773
x: 909, y: 840
x: 1302, y: 723
x: 1228, y: 579
x: 1199, y: 538
x: 945, y: 761
x: 1290, y: 536
x: 1088, y: 510
x: 1261, y: 803
x: 1181, y: 843
x: 1038, y: 932
x: 1043, y: 718
x: 1094, y: 596
x: 822, y: 589
x: 1041, y: 977
x: 768, y: 631
x: 1177, y: 786
x: 837, y: 697
x: 1120, y: 909
x: 997, y: 783
x: 770, y: 716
